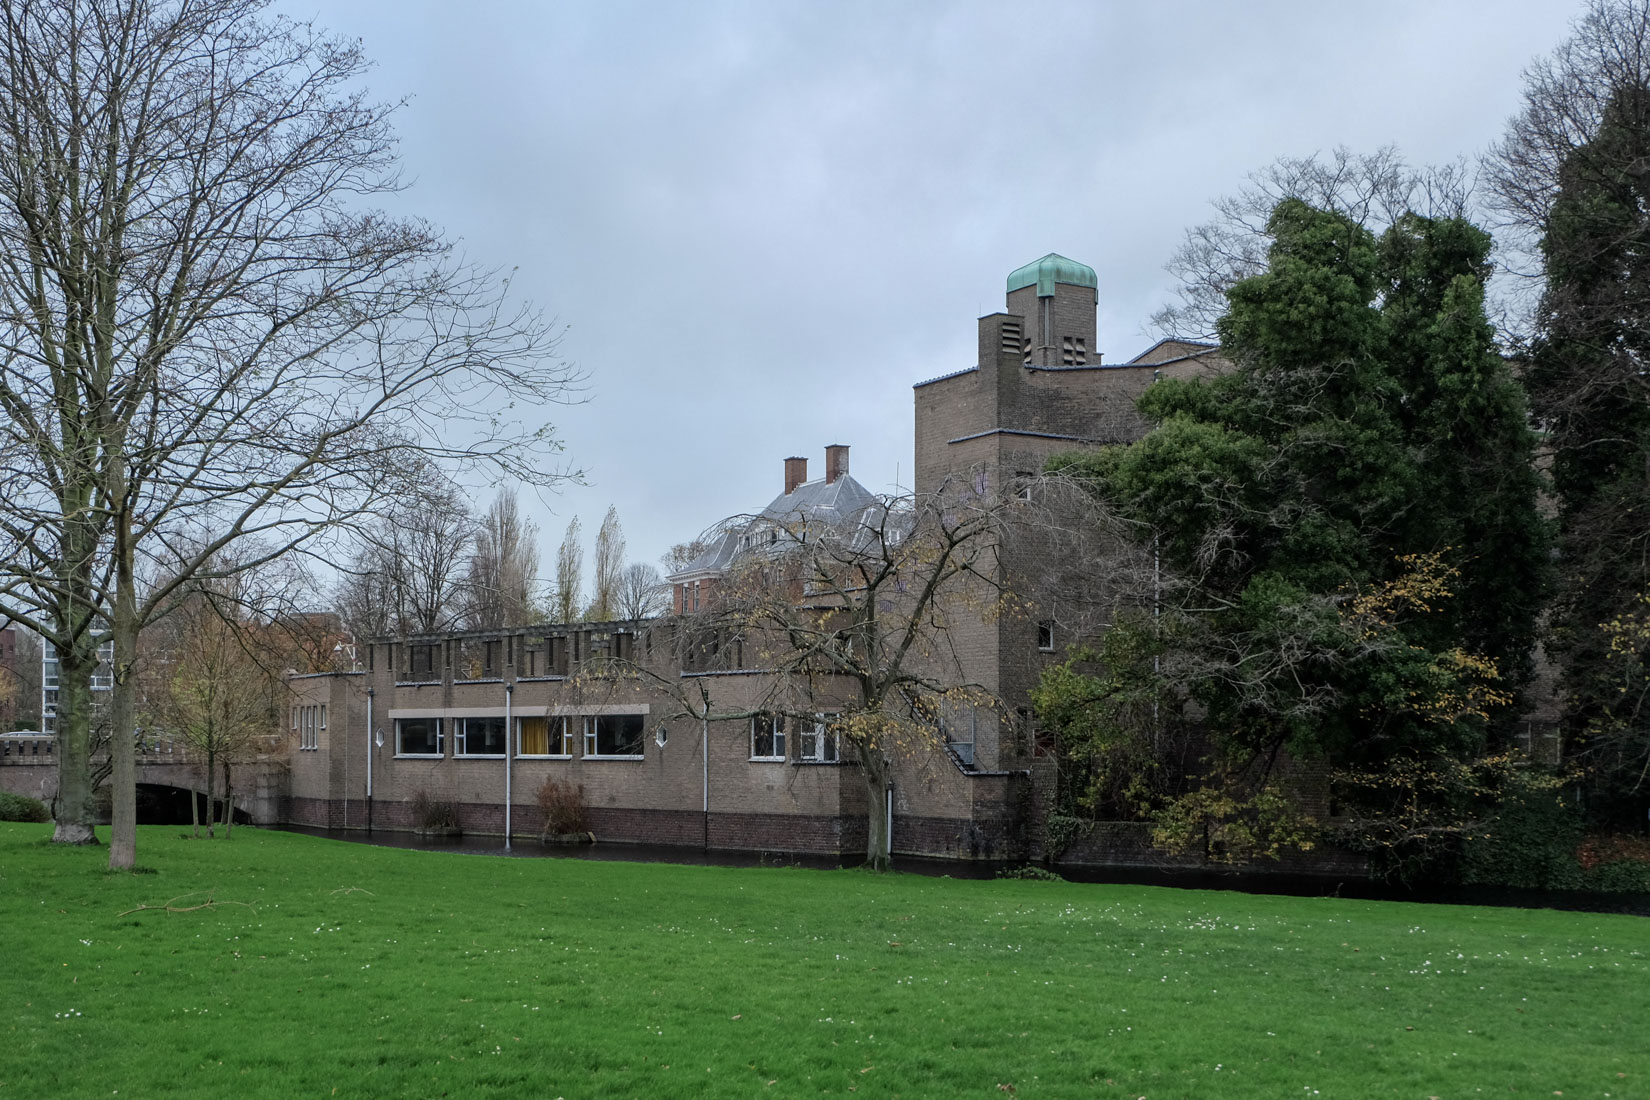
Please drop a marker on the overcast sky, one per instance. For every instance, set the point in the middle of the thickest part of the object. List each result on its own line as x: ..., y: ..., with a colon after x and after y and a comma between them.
x: 760, y: 223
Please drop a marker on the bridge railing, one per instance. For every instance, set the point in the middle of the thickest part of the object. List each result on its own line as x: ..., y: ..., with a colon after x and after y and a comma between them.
x: 27, y: 747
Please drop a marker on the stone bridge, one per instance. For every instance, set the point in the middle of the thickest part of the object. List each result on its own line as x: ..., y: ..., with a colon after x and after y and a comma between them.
x: 166, y: 774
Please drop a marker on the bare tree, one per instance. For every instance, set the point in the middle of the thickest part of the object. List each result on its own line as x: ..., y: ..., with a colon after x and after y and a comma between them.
x: 569, y: 570
x: 684, y: 554
x: 25, y: 671
x: 641, y: 592
x: 604, y: 601
x: 205, y: 332
x: 1373, y: 190
x: 212, y: 677
x: 854, y: 619
x: 1567, y: 96
x: 410, y: 570
x: 503, y: 582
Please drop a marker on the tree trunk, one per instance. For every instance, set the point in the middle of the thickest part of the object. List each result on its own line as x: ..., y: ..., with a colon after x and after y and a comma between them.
x: 122, y: 749
x: 228, y: 802
x: 878, y: 851
x: 195, y: 812
x: 211, y: 792
x: 72, y: 809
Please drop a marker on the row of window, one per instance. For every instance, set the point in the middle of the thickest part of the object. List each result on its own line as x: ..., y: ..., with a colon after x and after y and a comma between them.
x: 308, y: 722
x: 816, y: 741
x: 615, y: 736
x: 610, y: 736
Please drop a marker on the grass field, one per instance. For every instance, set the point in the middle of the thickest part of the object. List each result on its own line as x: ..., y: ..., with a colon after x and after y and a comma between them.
x: 326, y: 968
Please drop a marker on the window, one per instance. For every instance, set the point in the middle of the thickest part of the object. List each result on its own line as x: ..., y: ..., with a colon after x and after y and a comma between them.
x: 478, y: 736
x: 418, y: 737
x: 421, y: 660
x: 1026, y: 479
x: 544, y: 737
x: 323, y: 716
x: 614, y: 735
x: 1045, y: 635
x: 307, y: 721
x: 768, y: 737
x: 819, y: 742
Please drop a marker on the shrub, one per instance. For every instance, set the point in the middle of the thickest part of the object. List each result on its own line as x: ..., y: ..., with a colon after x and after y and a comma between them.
x: 1615, y: 864
x: 1027, y: 871
x: 434, y: 813
x: 20, y: 807
x: 1529, y: 842
x: 562, y: 804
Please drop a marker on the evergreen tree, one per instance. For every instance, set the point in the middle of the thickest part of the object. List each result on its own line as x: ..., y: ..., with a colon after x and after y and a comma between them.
x: 1590, y: 388
x: 1346, y: 521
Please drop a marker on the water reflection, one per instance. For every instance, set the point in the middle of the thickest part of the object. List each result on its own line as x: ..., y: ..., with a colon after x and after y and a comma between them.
x: 1291, y: 885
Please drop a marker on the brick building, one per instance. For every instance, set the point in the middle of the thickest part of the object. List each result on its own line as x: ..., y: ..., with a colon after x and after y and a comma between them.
x: 480, y: 721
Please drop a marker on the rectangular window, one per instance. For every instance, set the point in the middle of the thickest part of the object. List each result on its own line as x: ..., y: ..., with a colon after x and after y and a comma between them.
x: 544, y: 736
x: 418, y: 737
x: 1045, y: 635
x: 768, y: 737
x: 420, y: 660
x: 614, y: 735
x: 478, y: 736
x: 818, y: 742
x: 323, y: 716
x: 304, y: 722
x: 532, y: 737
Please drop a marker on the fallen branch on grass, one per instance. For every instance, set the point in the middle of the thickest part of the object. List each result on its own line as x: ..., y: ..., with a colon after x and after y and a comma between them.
x: 172, y: 906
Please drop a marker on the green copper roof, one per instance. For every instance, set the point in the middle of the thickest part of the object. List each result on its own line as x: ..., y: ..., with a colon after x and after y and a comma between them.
x: 1051, y: 269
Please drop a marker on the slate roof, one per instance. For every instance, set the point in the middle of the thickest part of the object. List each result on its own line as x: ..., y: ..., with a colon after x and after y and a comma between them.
x: 818, y: 502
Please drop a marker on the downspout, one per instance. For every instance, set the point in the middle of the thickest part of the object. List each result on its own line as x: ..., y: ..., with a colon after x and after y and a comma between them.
x: 888, y: 826
x: 704, y: 763
x: 369, y: 761
x: 509, y: 694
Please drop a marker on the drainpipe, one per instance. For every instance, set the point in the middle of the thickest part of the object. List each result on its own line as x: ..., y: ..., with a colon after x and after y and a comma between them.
x: 704, y: 764
x: 369, y: 761
x: 888, y: 828
x: 509, y: 694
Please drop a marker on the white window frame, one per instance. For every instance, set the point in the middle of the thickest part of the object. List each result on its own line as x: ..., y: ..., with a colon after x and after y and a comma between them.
x: 777, y: 728
x: 440, y: 739
x: 813, y: 739
x: 558, y: 734
x: 1045, y: 636
x: 461, y: 736
x: 592, y: 721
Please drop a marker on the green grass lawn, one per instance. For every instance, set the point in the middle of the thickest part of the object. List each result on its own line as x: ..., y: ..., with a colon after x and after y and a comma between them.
x: 359, y: 971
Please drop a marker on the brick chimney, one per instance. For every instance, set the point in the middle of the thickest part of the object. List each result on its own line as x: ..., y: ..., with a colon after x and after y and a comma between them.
x: 796, y: 472
x: 836, y: 462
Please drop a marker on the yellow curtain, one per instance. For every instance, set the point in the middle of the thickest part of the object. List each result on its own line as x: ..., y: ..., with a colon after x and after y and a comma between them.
x: 533, y: 736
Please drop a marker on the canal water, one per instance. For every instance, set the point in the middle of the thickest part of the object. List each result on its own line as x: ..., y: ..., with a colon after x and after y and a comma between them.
x: 1245, y: 882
